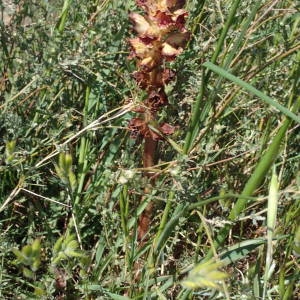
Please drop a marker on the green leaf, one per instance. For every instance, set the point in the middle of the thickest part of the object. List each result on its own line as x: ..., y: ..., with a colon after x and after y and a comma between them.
x: 174, y: 145
x: 68, y: 161
x: 297, y: 242
x: 94, y: 287
x: 100, y: 250
x: 9, y: 151
x: 61, y: 256
x: 71, y: 246
x: 35, y: 265
x: 117, y: 297
x: 72, y: 180
x: 20, y: 256
x: 39, y: 292
x: 27, y: 251
x: 240, y: 250
x: 169, y: 227
x: 68, y: 238
x: 57, y: 246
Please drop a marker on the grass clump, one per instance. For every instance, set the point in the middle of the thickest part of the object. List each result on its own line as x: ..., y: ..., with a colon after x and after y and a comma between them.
x: 72, y: 187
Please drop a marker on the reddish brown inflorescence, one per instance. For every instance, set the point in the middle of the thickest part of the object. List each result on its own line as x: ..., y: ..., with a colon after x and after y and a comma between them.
x: 161, y: 36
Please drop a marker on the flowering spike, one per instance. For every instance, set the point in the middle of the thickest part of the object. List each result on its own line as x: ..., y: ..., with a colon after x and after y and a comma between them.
x: 161, y: 37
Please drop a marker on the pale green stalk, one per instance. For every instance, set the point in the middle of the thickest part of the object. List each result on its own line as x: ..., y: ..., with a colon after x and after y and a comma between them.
x: 84, y: 145
x: 271, y: 222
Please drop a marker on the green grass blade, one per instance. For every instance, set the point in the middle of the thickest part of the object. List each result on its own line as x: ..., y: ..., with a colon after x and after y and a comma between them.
x: 193, y: 128
x: 117, y: 297
x: 164, y: 218
x: 63, y: 17
x: 224, y: 32
x: 168, y: 228
x: 240, y: 250
x: 252, y: 90
x: 236, y: 45
x: 261, y: 170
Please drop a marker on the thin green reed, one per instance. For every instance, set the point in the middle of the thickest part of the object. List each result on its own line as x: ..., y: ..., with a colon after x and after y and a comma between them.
x: 194, y: 123
x: 83, y: 149
x: 63, y: 16
x: 254, y: 181
x: 164, y: 219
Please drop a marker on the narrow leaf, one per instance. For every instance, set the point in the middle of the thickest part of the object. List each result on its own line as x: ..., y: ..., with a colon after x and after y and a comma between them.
x: 252, y: 90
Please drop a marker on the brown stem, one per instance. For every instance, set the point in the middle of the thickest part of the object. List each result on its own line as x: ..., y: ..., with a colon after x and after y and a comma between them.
x: 150, y: 146
x: 149, y: 155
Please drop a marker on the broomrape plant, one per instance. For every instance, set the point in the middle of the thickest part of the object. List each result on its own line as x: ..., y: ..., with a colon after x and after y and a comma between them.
x: 161, y: 37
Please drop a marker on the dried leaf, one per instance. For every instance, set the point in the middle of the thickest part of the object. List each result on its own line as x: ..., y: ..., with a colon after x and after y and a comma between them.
x: 178, y: 39
x: 141, y: 49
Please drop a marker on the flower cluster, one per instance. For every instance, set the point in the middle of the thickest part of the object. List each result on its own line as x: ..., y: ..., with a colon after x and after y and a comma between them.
x: 161, y: 36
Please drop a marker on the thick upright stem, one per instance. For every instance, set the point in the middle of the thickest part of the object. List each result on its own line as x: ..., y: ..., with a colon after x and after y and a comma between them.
x: 149, y: 155
x: 150, y: 146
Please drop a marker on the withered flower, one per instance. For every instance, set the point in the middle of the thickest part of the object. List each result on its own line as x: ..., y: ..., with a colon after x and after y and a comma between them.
x: 156, y: 99
x: 140, y: 127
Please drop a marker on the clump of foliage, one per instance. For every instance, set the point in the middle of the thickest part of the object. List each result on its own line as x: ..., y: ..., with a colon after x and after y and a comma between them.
x: 226, y: 188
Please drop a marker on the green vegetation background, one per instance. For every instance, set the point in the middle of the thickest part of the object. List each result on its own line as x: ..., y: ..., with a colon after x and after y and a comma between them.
x: 70, y: 177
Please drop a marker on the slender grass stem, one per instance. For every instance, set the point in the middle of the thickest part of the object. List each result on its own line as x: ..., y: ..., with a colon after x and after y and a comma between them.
x: 194, y: 123
x: 64, y: 14
x: 228, y: 24
x: 83, y: 149
x: 252, y: 89
x: 164, y: 218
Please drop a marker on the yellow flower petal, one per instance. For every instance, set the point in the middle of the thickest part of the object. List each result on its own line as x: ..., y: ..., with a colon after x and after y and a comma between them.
x: 149, y: 62
x: 141, y: 25
x: 170, y: 51
x: 140, y: 48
